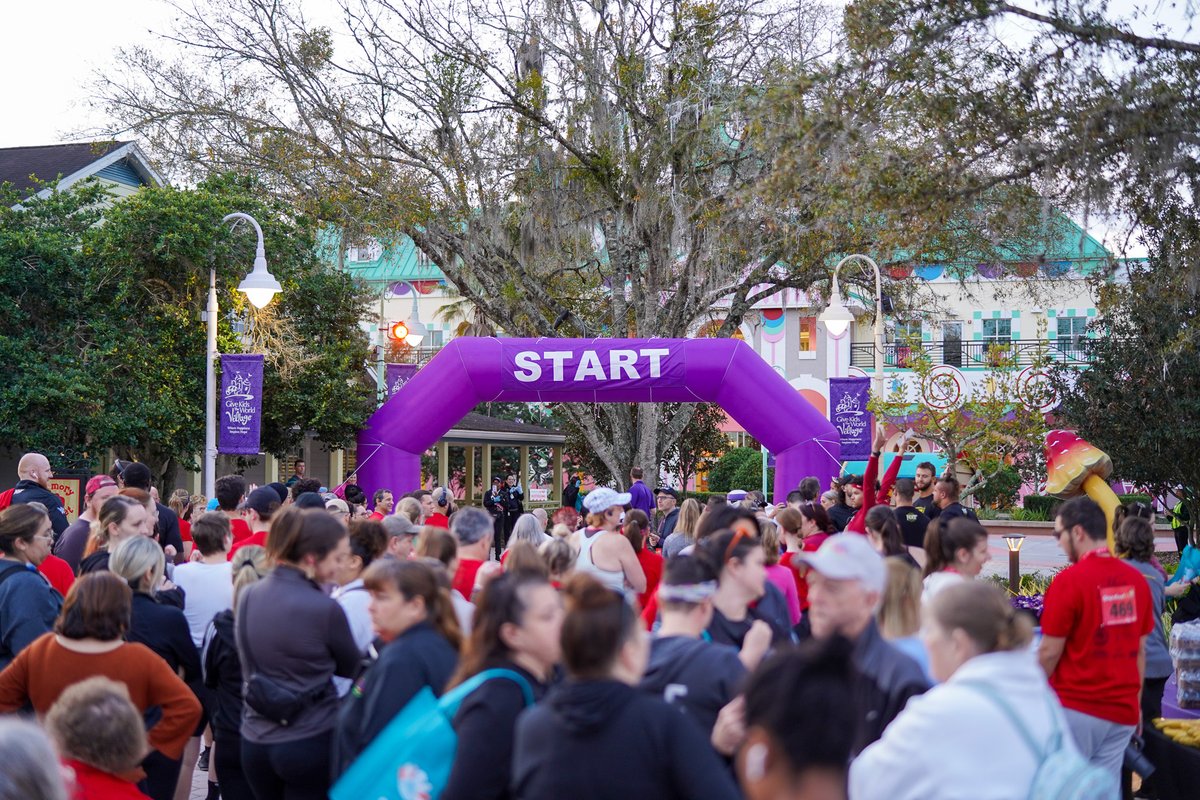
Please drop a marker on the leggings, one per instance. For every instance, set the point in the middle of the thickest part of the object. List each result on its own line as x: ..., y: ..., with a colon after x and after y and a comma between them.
x: 297, y: 770
x: 227, y: 760
x: 162, y: 774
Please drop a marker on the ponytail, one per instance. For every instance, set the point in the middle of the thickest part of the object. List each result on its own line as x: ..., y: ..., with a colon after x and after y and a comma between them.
x: 982, y: 611
x: 944, y: 539
x: 636, y: 523
x: 249, y: 565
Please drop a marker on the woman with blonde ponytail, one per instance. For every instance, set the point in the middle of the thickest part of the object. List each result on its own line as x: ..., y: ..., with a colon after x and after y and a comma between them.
x: 993, y: 698
x: 413, y: 615
x: 223, y: 677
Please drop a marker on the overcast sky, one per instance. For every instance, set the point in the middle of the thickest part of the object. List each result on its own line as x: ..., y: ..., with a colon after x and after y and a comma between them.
x: 53, y: 47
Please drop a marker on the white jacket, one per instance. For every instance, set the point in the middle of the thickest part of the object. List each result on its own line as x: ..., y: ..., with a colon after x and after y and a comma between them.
x: 953, y: 742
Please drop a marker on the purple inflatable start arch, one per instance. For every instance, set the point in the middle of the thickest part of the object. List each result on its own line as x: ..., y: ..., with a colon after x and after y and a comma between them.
x: 470, y: 371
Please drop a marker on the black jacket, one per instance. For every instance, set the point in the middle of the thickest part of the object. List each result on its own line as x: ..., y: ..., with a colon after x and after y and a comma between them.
x: 33, y: 492
x: 223, y: 678
x: 417, y: 658
x: 885, y: 682
x: 955, y: 510
x: 700, y: 677
x: 164, y: 629
x: 485, y: 723
x: 168, y: 531
x: 598, y: 740
x: 840, y: 515
x: 667, y: 526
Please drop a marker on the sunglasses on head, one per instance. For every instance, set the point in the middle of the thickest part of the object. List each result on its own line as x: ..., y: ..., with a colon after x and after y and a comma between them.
x: 738, y: 536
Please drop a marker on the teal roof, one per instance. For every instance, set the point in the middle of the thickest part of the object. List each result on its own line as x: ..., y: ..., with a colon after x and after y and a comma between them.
x: 399, y: 260
x: 908, y: 467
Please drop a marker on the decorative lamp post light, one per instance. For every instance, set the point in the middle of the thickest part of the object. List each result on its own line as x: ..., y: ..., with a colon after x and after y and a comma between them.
x: 837, y: 317
x: 411, y: 331
x: 1014, y: 542
x: 260, y: 286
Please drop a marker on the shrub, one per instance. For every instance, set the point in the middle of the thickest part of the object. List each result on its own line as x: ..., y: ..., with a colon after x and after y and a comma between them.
x: 739, y: 468
x: 1041, y: 504
x: 1001, y: 490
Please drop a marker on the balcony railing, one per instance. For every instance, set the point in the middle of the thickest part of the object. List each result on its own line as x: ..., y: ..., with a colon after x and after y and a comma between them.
x: 972, y: 355
x: 415, y: 355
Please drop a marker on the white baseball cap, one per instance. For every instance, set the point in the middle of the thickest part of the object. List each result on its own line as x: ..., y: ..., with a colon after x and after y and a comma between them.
x: 602, y: 498
x: 848, y: 557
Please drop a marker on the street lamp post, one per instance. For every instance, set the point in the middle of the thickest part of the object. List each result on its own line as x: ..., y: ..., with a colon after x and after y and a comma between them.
x: 1014, y: 542
x: 837, y: 317
x: 259, y: 287
x: 411, y: 330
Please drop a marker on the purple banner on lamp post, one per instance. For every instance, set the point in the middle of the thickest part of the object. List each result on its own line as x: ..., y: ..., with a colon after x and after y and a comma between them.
x: 397, y: 375
x: 848, y: 413
x: 240, y: 404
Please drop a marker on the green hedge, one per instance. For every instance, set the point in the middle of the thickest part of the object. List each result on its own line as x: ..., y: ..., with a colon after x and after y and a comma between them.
x: 701, y: 497
x: 1040, y: 504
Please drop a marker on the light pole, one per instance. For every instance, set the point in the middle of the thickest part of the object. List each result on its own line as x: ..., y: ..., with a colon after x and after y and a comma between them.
x: 1014, y: 542
x: 411, y: 330
x: 259, y: 286
x: 837, y: 317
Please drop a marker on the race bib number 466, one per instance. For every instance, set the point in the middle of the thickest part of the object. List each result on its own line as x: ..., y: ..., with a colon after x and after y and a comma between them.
x: 1117, y: 606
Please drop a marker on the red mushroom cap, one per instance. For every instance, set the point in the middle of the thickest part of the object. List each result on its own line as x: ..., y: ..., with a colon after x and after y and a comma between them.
x: 1069, y: 462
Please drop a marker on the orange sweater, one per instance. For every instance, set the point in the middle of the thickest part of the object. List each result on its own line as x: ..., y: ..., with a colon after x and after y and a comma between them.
x: 41, y: 672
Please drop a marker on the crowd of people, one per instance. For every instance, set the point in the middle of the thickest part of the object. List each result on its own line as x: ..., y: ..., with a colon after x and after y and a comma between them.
x: 281, y: 637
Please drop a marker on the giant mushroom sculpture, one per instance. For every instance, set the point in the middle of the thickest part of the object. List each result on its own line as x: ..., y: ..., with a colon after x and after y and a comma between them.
x: 1075, y: 467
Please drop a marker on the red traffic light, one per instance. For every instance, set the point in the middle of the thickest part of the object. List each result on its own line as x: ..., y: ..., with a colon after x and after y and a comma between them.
x: 398, y: 331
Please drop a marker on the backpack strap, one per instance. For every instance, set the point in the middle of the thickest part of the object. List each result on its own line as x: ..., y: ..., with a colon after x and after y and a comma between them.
x: 451, y: 700
x: 13, y: 570
x: 990, y: 693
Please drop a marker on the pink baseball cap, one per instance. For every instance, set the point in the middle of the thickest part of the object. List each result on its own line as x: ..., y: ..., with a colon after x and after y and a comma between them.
x: 98, y: 482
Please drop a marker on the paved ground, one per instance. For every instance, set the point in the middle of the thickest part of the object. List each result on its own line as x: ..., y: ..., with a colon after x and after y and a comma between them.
x: 199, y: 785
x: 1042, y: 554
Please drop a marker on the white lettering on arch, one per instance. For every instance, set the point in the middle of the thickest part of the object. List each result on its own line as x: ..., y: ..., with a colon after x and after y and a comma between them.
x: 528, y: 370
x: 556, y: 358
x: 655, y: 354
x: 589, y: 367
x: 622, y: 361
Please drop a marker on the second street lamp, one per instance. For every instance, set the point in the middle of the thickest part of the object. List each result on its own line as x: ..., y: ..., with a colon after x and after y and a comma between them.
x: 260, y: 286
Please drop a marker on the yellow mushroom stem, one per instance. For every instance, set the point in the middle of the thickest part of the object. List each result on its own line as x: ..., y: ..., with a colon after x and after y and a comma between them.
x: 1098, y: 489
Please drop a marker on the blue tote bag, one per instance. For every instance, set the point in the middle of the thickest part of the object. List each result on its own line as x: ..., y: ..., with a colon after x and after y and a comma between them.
x: 412, y: 757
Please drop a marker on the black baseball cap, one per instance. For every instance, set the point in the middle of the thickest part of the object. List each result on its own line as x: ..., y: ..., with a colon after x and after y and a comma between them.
x: 264, y: 500
x: 667, y: 490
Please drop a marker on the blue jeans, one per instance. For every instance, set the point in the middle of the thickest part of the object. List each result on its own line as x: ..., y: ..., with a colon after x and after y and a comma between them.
x: 298, y: 770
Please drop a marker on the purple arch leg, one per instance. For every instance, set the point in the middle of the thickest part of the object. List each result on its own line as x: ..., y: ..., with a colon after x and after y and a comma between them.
x: 469, y: 371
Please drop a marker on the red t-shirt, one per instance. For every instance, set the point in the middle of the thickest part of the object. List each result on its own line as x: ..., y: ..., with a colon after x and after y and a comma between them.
x: 436, y: 520
x: 94, y: 784
x: 1103, y: 608
x: 58, y: 572
x: 185, y: 530
x: 259, y: 539
x: 464, y: 578
x: 810, y: 545
x: 652, y: 565
x: 240, y: 529
x: 375, y: 515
